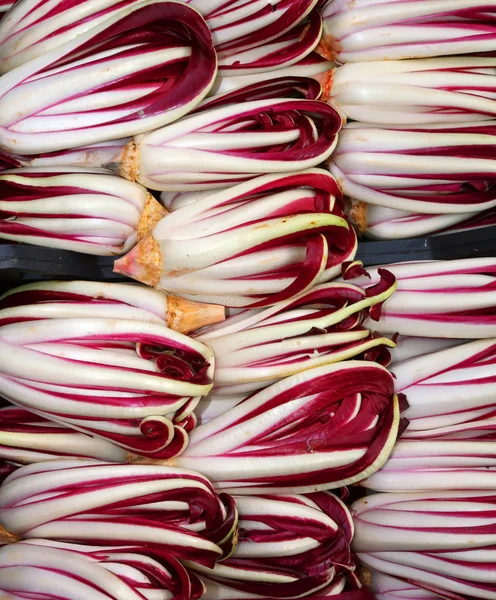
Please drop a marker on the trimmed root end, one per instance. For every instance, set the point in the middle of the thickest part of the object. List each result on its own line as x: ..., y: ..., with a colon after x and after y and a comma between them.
x: 325, y: 79
x: 356, y: 213
x: 152, y: 213
x: 143, y: 262
x: 129, y: 166
x: 365, y: 575
x: 329, y: 47
x: 8, y: 538
x: 185, y: 316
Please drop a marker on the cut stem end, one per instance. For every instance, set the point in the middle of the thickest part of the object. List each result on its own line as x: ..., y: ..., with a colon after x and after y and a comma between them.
x: 143, y: 262
x: 185, y: 316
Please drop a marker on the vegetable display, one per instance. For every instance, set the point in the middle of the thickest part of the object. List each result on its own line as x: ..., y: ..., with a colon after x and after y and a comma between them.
x: 288, y: 86
x: 70, y: 570
x: 230, y: 144
x: 92, y: 156
x: 256, y: 415
x: 274, y: 54
x: 381, y: 223
x: 429, y: 169
x: 414, y: 92
x: 439, y: 464
x: 322, y: 326
x: 34, y: 27
x: 54, y: 570
x: 161, y: 508
x: 91, y: 212
x: 311, y: 65
x: 241, y: 25
x: 337, y: 423
x: 390, y: 29
x: 75, y: 299
x: 146, y: 65
x: 298, y: 544
x: 449, y: 441
x: 450, y: 391
x: 440, y: 299
x: 26, y: 438
x: 214, y: 148
x: 440, y: 542
x: 133, y: 382
x: 251, y: 245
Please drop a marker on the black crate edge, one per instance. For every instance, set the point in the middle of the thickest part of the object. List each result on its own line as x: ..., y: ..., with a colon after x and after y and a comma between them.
x: 20, y: 263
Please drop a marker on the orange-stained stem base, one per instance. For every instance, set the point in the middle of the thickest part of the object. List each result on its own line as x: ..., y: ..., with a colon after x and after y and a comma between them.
x: 186, y: 316
x: 325, y: 79
x: 129, y: 164
x: 143, y: 262
x: 329, y: 47
x: 8, y: 538
x: 152, y: 213
x: 356, y: 213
